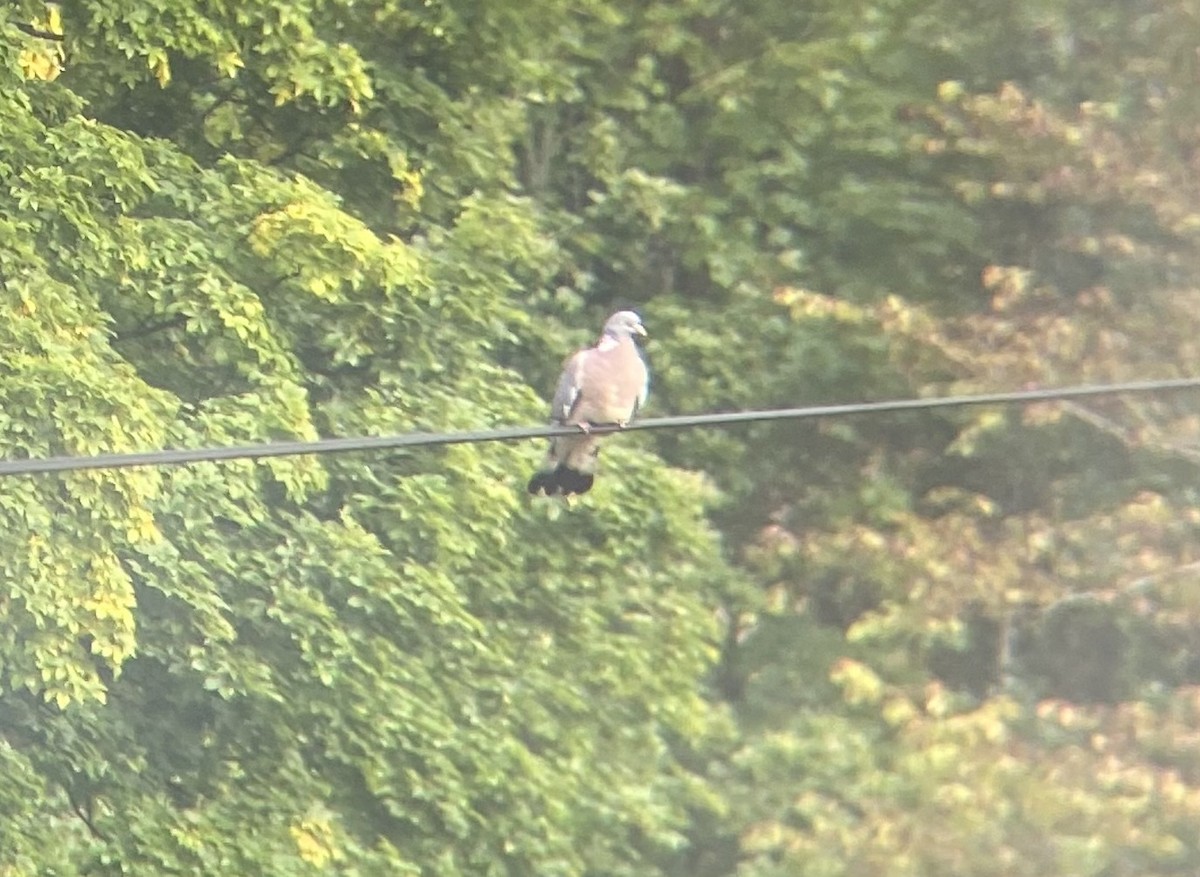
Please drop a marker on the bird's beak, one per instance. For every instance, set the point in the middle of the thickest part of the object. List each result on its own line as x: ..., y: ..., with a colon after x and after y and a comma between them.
x: 640, y: 330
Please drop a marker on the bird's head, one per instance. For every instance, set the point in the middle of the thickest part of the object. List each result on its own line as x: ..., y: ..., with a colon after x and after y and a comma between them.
x: 624, y: 323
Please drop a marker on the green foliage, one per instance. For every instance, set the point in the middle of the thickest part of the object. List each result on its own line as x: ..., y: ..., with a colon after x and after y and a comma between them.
x: 391, y: 665
x: 921, y: 644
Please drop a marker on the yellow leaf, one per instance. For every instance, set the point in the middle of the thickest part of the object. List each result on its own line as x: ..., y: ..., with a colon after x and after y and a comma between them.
x: 898, y: 711
x: 937, y: 701
x: 314, y: 840
x: 38, y: 63
x: 160, y: 66
x: 858, y: 682
x: 230, y: 63
x: 949, y: 90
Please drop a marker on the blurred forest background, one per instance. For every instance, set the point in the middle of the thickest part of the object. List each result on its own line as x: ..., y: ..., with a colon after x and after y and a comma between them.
x: 951, y: 643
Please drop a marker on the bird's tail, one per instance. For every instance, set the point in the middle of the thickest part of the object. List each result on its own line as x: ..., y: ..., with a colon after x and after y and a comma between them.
x: 561, y: 481
x: 569, y: 468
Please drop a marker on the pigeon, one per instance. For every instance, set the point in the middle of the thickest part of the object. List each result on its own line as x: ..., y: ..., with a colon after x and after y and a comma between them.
x: 605, y: 384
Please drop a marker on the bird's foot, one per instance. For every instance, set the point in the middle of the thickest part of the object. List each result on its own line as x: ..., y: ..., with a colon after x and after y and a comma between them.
x: 584, y: 427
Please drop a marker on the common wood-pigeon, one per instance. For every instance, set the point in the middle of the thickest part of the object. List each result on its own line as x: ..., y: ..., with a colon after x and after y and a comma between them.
x: 603, y: 384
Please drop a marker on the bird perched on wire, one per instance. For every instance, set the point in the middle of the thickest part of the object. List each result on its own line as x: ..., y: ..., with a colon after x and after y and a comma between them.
x: 604, y: 384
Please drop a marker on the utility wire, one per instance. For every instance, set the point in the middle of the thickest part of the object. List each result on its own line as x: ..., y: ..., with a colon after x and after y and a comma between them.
x: 181, y: 456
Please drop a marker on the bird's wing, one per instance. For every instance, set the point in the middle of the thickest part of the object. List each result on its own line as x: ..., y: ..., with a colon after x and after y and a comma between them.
x: 570, y: 387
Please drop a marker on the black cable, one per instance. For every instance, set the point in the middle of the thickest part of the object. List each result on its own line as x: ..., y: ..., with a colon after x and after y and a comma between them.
x: 182, y: 456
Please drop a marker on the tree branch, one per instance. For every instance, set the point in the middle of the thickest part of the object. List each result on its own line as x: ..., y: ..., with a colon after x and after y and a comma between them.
x: 150, y: 328
x: 85, y: 816
x: 37, y: 32
x: 1121, y: 433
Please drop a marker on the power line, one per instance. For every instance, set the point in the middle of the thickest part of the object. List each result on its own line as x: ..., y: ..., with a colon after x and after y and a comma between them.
x: 182, y: 456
